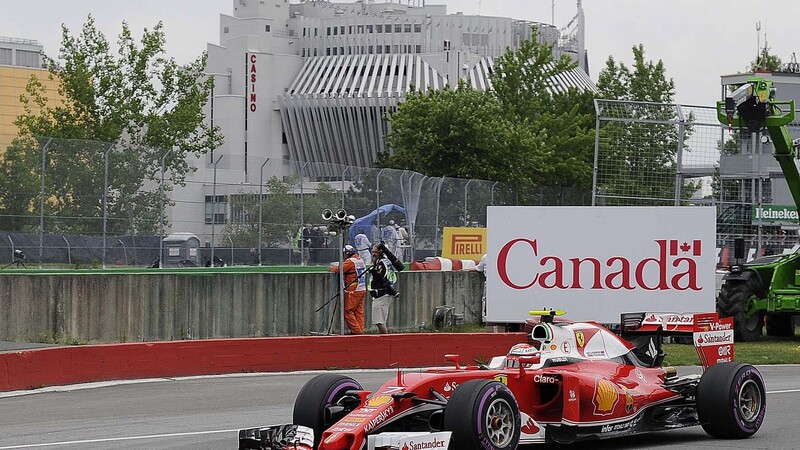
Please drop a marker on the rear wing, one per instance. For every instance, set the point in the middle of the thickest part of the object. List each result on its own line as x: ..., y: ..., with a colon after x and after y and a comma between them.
x: 712, y: 337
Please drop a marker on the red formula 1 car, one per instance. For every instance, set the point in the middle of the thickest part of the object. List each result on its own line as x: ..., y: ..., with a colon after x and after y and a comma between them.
x: 571, y: 382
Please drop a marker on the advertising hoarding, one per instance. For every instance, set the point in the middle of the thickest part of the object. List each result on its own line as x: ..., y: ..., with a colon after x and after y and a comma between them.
x: 598, y: 262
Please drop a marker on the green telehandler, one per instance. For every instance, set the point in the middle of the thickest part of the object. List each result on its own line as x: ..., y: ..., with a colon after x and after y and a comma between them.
x: 766, y: 288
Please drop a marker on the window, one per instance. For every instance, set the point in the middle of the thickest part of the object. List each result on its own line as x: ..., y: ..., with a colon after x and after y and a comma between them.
x: 266, y: 28
x: 386, y: 49
x: 361, y: 29
x: 387, y: 28
x: 350, y: 29
x: 369, y: 49
x: 341, y: 50
x: 26, y: 58
x: 419, y: 49
x: 315, y: 52
x: 407, y: 28
x: 369, y: 28
x: 336, y: 31
x: 396, y: 48
x: 304, y: 32
x: 225, y: 30
x: 417, y: 28
x: 304, y: 52
x: 329, y: 31
x: 335, y: 50
x: 398, y: 28
x: 379, y: 28
x: 380, y: 49
x: 5, y: 56
x: 328, y: 51
x: 315, y: 32
x: 341, y: 29
x: 215, y: 210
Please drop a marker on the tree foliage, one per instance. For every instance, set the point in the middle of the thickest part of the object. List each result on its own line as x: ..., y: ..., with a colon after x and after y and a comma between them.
x: 522, y: 131
x: 137, y: 102
x: 766, y: 61
x: 638, y: 163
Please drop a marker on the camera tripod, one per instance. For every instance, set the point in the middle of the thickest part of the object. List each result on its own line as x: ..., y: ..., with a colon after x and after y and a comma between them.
x: 16, y: 263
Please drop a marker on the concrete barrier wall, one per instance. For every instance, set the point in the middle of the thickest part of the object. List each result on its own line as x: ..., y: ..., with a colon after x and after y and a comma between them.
x: 87, y: 363
x: 152, y: 307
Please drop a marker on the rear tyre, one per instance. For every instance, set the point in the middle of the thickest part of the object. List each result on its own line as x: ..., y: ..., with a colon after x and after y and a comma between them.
x: 314, y: 398
x: 483, y: 414
x: 780, y: 325
x: 731, y: 400
x: 733, y: 300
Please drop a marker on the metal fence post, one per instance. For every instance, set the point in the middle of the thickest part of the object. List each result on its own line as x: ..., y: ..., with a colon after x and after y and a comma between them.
x: 343, y: 174
x: 105, y: 201
x: 260, y: 208
x: 679, y: 156
x: 161, y: 213
x: 378, y: 200
x: 436, y: 226
x: 302, y: 214
x: 466, y: 190
x: 41, y: 204
x: 214, y: 209
x: 492, y: 194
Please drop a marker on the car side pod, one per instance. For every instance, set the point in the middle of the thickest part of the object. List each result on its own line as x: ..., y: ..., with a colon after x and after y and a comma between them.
x: 731, y: 400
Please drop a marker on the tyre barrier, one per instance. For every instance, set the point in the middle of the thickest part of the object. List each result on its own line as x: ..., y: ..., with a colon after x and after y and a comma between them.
x: 57, y: 366
x: 440, y: 264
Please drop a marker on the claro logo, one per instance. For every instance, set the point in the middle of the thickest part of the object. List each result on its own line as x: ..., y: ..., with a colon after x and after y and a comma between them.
x: 675, y: 266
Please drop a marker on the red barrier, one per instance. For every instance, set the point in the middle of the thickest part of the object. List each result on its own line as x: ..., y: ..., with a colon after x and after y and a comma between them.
x: 82, y: 364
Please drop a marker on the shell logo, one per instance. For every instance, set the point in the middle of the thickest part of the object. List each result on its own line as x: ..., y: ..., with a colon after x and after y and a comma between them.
x: 379, y: 400
x: 605, y: 397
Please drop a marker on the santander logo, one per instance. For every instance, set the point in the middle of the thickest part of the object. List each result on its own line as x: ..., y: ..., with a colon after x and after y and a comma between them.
x: 673, y: 267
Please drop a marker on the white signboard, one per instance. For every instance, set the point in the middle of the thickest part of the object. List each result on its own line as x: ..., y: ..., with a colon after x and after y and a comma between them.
x: 598, y: 262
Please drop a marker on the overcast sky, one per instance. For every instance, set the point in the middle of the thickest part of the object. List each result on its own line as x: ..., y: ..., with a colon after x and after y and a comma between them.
x: 698, y: 40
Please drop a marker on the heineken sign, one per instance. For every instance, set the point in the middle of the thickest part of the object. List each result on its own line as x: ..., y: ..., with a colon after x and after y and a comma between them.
x: 775, y: 213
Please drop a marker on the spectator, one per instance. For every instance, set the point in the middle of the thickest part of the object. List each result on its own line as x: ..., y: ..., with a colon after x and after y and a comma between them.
x: 305, y: 243
x: 389, y: 236
x: 402, y: 241
x: 355, y: 289
x: 481, y: 267
x: 383, y: 275
x: 317, y: 244
x: 363, y: 246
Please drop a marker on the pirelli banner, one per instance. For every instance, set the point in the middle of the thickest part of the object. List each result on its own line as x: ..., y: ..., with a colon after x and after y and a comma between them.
x: 598, y: 262
x: 464, y: 243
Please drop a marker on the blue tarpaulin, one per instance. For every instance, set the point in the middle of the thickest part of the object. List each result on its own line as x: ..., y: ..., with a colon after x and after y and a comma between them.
x: 370, y: 220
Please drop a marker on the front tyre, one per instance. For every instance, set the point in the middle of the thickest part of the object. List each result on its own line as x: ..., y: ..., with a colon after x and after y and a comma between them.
x: 731, y: 400
x: 733, y: 300
x: 311, y: 408
x: 483, y: 414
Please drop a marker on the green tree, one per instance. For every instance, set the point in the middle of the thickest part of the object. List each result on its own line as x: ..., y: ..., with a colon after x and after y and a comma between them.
x: 280, y: 215
x: 137, y: 100
x: 637, y: 162
x: 766, y: 61
x: 524, y: 131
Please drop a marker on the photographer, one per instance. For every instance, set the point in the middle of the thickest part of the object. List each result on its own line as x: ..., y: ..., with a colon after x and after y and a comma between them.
x: 381, y: 286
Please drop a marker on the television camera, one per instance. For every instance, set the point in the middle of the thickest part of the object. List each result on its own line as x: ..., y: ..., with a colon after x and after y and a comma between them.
x: 19, y: 257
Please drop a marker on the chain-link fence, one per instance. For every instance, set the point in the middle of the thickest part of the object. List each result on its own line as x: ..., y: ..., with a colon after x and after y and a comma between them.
x: 652, y: 154
x: 87, y: 203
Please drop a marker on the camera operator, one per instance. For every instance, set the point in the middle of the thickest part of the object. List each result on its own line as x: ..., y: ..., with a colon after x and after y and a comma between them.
x: 383, y: 276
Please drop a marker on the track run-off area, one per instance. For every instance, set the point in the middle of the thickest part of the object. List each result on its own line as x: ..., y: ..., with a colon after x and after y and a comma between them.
x: 206, y: 412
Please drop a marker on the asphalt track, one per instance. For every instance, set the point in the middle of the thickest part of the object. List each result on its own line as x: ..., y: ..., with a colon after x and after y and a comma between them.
x: 205, y: 412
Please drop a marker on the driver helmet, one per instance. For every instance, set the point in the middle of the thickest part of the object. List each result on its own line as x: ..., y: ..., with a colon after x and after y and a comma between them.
x: 349, y: 250
x: 512, y: 358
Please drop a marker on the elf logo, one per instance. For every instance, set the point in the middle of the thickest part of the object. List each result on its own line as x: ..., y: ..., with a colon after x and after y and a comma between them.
x: 674, y: 268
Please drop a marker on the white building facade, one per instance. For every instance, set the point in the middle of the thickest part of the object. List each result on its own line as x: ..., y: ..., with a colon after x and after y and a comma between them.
x: 310, y: 82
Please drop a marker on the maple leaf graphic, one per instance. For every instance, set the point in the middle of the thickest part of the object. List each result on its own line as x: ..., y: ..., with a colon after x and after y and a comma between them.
x: 685, y: 247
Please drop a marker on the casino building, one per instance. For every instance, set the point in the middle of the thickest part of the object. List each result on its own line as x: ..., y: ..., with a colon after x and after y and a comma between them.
x: 309, y: 82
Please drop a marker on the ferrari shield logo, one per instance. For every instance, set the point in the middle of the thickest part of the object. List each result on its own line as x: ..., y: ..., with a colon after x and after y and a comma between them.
x: 501, y: 378
x: 580, y: 338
